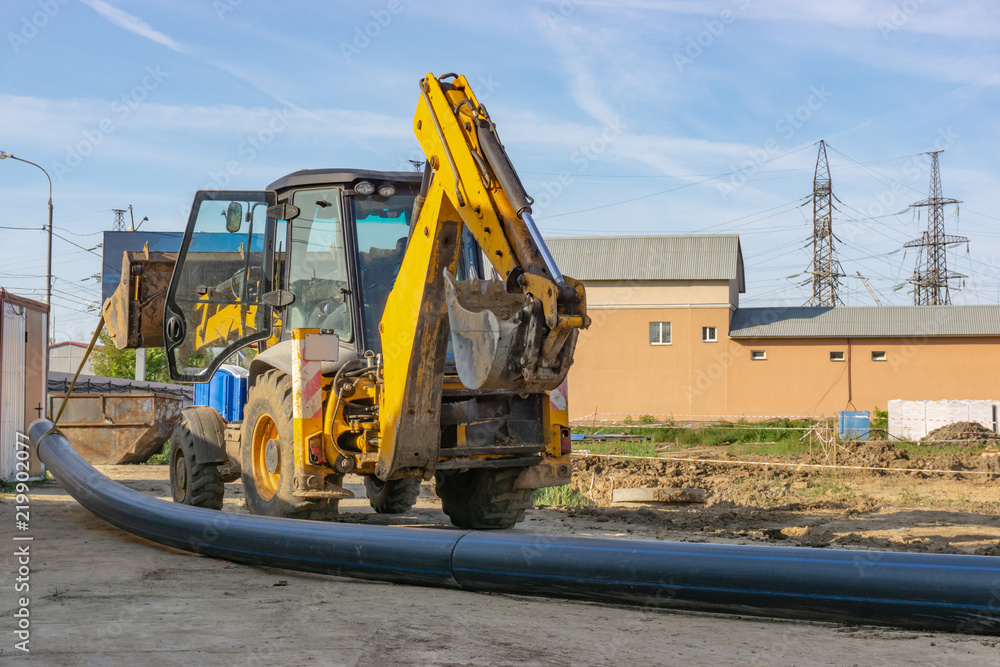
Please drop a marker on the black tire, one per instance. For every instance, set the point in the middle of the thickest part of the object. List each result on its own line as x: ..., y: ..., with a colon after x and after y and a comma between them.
x: 392, y: 497
x: 268, y: 416
x: 483, y: 499
x: 193, y: 483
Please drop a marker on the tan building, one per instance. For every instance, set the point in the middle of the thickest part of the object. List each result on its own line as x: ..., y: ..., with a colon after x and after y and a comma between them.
x: 669, y: 339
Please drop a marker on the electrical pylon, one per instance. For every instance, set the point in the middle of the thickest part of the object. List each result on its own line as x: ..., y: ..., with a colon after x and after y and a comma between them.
x: 825, y: 267
x: 931, y: 277
x: 119, y: 225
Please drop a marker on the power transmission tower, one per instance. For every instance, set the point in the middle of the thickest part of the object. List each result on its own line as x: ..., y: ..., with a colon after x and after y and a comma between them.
x: 119, y: 219
x: 825, y: 266
x: 931, y: 277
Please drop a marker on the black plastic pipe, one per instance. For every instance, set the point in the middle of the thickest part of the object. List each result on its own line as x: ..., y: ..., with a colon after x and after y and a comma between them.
x: 918, y: 591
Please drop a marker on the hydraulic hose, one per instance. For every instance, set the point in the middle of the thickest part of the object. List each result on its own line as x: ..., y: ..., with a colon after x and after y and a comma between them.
x: 955, y: 593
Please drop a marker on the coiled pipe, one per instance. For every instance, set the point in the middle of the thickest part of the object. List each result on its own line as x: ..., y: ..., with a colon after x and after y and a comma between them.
x: 947, y: 592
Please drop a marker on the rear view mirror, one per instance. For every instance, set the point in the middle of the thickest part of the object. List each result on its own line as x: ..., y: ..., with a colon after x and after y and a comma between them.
x: 234, y: 216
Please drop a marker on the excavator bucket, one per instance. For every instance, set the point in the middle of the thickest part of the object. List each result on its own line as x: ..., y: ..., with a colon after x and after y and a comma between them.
x: 488, y: 327
x: 134, y: 313
x: 498, y: 338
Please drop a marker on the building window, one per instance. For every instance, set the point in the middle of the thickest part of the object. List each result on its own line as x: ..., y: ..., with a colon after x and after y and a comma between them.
x: 836, y: 356
x: 708, y: 334
x: 878, y: 356
x: 659, y: 333
x: 758, y: 355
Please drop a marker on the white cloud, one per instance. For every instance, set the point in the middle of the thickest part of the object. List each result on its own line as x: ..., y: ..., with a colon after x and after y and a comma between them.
x: 974, y: 18
x: 133, y: 24
x: 54, y: 122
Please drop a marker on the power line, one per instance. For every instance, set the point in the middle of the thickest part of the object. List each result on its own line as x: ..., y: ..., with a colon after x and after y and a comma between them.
x: 679, y: 187
x: 718, y: 175
x: 90, y: 250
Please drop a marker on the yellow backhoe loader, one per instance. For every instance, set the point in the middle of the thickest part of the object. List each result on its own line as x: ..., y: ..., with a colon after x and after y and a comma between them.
x: 339, y: 288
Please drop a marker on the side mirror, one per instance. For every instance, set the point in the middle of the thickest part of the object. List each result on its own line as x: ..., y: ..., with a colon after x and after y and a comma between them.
x: 234, y: 216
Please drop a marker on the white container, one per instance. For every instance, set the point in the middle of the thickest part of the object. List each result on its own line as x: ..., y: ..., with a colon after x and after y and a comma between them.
x: 912, y: 420
x: 23, y: 336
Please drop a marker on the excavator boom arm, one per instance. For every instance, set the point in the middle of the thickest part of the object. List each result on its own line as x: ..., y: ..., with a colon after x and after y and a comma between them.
x: 517, y: 333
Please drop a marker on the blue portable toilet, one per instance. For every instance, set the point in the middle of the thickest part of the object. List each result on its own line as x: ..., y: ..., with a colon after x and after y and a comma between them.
x: 854, y: 424
x: 226, y: 392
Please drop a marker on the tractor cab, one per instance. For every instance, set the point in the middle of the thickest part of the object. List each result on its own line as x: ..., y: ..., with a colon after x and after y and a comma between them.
x: 319, y: 249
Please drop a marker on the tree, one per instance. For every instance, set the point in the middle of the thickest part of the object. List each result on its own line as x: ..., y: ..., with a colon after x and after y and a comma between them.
x: 115, y: 363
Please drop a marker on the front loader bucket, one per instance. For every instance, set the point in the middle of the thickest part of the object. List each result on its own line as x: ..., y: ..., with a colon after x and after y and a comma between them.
x: 134, y: 313
x: 488, y: 332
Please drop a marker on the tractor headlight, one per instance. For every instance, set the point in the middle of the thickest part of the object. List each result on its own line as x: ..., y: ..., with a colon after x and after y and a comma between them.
x: 364, y: 188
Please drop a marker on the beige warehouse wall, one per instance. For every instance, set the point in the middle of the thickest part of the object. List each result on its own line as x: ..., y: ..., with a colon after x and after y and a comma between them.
x: 800, y: 378
x: 796, y: 378
x: 616, y: 370
x: 656, y: 292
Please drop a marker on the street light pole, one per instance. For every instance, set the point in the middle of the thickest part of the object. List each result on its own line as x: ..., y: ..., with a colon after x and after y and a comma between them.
x: 48, y: 262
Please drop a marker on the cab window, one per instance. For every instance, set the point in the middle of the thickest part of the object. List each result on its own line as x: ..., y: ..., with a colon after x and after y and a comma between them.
x: 317, y: 273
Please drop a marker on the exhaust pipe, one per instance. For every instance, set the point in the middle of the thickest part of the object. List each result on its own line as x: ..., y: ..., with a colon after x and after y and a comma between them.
x: 953, y: 593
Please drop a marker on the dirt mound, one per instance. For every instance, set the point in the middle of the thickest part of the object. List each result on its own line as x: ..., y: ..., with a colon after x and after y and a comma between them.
x: 871, y: 453
x: 970, y: 432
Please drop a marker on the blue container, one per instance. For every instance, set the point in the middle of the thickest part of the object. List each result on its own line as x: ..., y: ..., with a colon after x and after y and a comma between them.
x: 854, y: 425
x: 226, y: 392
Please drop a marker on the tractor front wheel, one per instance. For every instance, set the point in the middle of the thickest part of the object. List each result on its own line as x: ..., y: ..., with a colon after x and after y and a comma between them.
x: 267, y: 458
x: 193, y: 483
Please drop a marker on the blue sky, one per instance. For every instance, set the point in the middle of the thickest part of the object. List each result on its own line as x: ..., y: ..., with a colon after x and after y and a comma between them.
x: 630, y: 117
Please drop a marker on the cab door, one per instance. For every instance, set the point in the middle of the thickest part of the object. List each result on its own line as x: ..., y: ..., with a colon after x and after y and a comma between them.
x: 225, y: 266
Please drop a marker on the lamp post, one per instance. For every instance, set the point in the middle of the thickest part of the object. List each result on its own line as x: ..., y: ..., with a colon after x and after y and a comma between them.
x: 48, y: 261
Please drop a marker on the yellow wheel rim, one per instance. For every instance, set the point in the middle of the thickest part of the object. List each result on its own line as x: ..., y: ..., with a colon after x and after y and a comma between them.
x: 266, y: 477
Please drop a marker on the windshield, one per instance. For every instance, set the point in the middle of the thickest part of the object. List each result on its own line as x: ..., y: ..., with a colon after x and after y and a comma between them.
x: 383, y: 225
x: 318, y: 271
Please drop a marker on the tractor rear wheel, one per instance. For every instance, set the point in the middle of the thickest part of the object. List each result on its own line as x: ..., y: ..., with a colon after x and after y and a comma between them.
x: 392, y: 497
x: 267, y: 458
x: 193, y: 483
x: 482, y: 499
